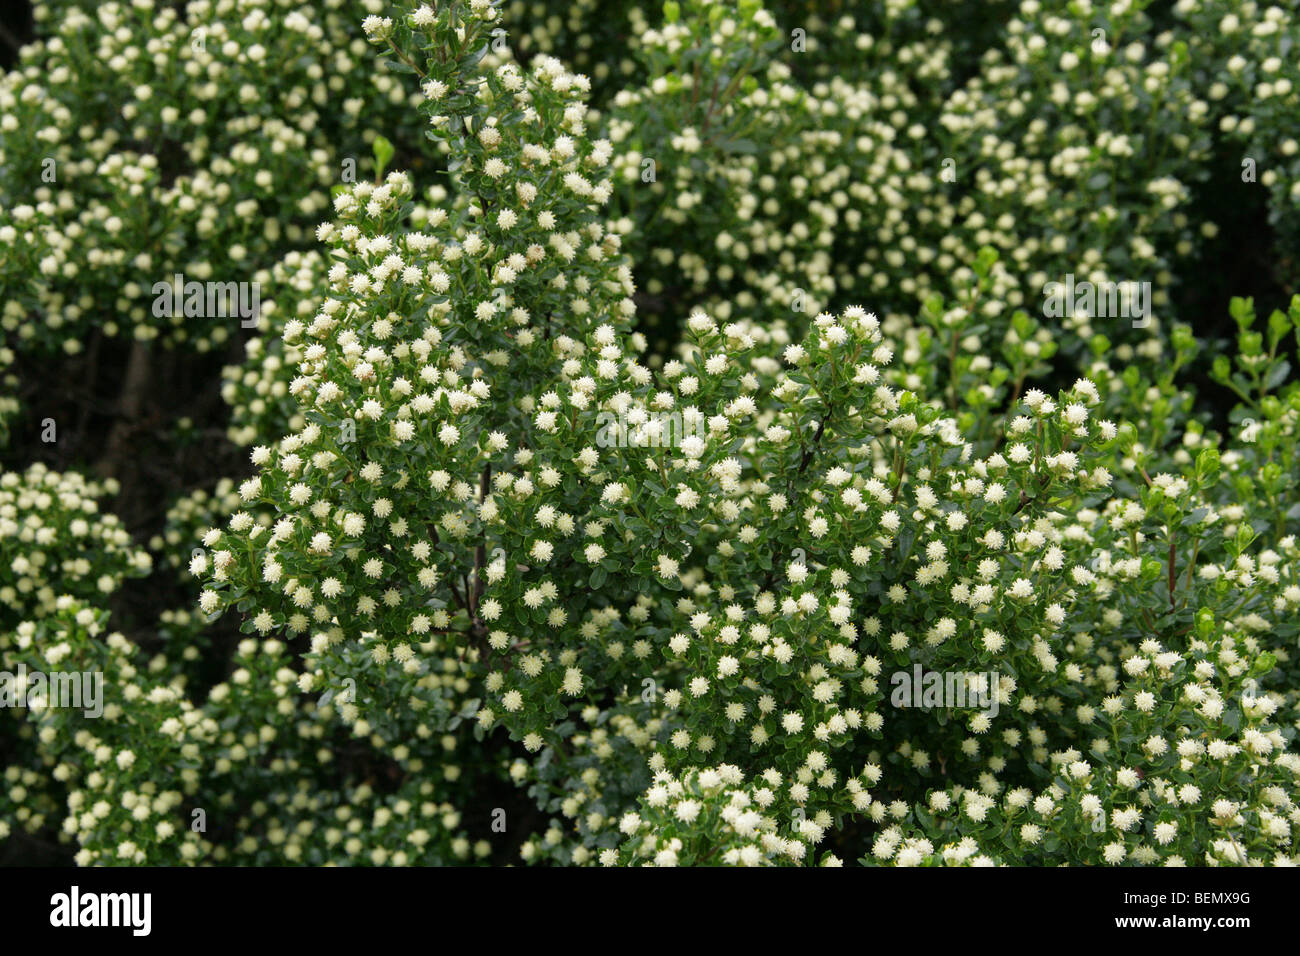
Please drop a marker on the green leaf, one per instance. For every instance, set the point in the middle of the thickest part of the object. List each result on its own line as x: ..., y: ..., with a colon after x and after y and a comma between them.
x: 383, y: 150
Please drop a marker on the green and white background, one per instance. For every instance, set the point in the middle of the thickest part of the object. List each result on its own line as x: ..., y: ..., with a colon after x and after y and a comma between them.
x: 639, y: 393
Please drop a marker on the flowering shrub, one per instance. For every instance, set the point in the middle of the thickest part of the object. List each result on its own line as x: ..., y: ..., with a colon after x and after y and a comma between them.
x: 54, y: 540
x: 201, y: 198
x: 671, y: 464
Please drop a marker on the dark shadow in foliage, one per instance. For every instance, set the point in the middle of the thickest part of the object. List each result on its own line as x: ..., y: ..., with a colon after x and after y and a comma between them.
x: 16, y: 29
x: 1245, y: 260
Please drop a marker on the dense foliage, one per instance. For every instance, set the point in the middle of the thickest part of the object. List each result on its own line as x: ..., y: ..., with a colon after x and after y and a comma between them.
x: 657, y: 441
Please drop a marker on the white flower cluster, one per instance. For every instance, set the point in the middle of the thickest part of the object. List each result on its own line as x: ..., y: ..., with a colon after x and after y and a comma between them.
x: 55, y: 540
